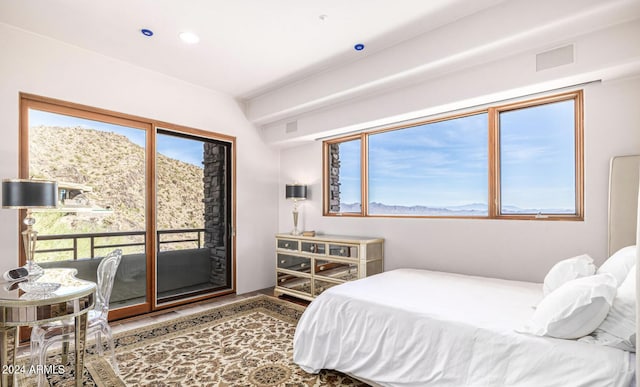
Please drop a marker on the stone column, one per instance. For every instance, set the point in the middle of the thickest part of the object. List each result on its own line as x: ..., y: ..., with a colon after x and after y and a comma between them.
x: 215, y: 202
x: 334, y: 177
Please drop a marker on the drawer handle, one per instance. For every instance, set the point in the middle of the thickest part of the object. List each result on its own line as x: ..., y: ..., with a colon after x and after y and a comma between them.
x: 283, y: 261
x: 342, y: 250
x: 286, y: 245
x: 303, y: 264
x: 312, y: 248
x: 321, y: 268
x: 282, y: 280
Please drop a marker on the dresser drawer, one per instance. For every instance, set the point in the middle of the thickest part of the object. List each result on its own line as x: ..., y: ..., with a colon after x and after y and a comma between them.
x: 336, y: 270
x: 343, y: 251
x: 295, y: 263
x: 293, y: 282
x: 314, y: 248
x: 306, y: 266
x: 287, y: 244
x: 320, y: 286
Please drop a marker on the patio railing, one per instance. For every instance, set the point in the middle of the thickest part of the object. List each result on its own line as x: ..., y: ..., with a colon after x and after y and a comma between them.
x: 95, y: 242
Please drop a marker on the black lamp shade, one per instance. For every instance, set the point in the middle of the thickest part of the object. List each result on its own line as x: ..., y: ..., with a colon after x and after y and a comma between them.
x: 296, y: 191
x: 22, y: 193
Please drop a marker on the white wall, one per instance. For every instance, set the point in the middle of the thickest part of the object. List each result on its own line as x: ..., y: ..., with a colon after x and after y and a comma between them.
x: 604, y: 54
x: 38, y: 65
x: 522, y: 250
x: 603, y: 35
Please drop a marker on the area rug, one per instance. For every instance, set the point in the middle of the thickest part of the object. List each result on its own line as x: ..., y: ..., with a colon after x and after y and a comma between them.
x: 244, y: 343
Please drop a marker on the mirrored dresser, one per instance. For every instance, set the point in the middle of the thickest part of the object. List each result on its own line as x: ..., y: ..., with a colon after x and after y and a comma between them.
x: 307, y: 266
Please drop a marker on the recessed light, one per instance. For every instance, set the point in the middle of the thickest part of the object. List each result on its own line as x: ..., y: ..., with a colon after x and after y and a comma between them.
x: 189, y: 37
x: 323, y: 17
x: 146, y: 32
x: 358, y: 47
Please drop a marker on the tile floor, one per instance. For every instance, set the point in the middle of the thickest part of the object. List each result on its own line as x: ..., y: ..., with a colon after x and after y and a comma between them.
x: 180, y: 311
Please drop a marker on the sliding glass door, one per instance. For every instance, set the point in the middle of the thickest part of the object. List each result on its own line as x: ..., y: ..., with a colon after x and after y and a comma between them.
x: 162, y: 195
x: 100, y: 166
x: 193, y: 221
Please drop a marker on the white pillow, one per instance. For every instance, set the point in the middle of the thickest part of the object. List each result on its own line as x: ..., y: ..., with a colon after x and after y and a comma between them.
x: 619, y: 328
x: 567, y: 270
x: 620, y: 263
x: 575, y: 309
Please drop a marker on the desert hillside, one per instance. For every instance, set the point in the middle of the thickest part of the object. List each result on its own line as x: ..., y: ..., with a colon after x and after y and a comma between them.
x: 114, y: 167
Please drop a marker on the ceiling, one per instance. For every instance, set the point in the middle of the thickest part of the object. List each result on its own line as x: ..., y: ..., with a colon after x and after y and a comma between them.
x: 247, y: 47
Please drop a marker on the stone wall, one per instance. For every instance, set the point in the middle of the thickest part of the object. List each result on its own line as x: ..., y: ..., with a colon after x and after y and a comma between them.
x: 334, y: 177
x: 215, y: 202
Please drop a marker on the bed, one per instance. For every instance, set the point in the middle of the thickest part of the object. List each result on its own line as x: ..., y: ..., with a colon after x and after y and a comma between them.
x: 455, y: 330
x: 411, y: 327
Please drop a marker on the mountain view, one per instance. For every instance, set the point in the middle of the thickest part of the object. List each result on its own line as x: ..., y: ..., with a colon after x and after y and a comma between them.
x: 114, y: 168
x: 473, y: 209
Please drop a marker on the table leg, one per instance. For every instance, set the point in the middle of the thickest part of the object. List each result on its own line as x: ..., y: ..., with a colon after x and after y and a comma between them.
x: 81, y: 335
x: 8, y: 336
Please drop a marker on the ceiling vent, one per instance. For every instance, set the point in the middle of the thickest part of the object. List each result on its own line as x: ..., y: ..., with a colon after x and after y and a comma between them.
x: 291, y: 127
x: 554, y: 58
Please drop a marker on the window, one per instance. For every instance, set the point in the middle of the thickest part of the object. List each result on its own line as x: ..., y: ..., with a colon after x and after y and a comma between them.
x: 537, y: 159
x: 521, y: 160
x: 438, y: 169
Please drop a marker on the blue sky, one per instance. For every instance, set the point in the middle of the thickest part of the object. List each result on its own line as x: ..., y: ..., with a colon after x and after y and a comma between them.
x: 438, y: 164
x: 538, y: 154
x: 189, y: 151
x: 445, y: 164
x: 183, y: 149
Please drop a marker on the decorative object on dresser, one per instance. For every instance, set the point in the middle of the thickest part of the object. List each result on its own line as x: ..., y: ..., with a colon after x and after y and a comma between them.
x: 295, y: 192
x: 306, y: 266
x: 29, y: 194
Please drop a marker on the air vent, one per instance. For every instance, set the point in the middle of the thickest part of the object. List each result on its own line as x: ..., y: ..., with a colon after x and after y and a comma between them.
x: 291, y: 127
x: 554, y: 58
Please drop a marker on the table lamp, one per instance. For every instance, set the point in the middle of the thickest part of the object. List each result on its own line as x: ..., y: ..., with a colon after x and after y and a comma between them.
x: 29, y: 194
x: 295, y: 192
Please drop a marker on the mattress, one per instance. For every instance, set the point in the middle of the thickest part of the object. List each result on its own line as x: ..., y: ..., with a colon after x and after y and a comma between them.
x: 422, y: 328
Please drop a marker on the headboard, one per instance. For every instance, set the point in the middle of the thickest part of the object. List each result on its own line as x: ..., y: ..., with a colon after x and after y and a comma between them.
x: 623, y: 201
x: 638, y: 286
x: 624, y: 218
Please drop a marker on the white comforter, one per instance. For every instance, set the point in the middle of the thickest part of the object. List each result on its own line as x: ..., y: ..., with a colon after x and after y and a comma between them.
x: 421, y: 328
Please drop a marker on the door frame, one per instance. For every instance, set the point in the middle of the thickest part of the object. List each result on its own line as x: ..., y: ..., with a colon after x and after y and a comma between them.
x: 57, y: 106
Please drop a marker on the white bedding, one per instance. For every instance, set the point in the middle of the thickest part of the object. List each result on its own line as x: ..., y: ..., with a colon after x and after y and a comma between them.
x: 422, y: 328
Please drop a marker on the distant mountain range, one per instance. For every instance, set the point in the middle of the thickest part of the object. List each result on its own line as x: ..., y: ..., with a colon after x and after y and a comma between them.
x: 473, y: 209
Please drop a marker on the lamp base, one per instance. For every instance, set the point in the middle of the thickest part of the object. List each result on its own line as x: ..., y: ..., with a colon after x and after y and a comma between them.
x: 33, y: 268
x: 295, y: 221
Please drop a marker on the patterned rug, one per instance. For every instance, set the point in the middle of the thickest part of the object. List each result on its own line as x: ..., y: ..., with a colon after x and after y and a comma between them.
x: 245, y: 343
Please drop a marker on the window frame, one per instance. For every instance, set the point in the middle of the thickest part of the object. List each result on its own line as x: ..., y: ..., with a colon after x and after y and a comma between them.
x: 493, y: 143
x: 494, y: 155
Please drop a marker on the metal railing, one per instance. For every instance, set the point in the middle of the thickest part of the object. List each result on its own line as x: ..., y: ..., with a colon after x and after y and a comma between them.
x: 94, y: 240
x: 198, y: 239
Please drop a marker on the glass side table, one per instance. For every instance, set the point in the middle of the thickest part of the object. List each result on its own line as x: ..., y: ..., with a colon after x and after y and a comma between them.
x: 55, y: 295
